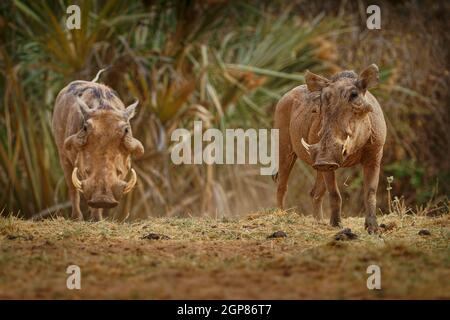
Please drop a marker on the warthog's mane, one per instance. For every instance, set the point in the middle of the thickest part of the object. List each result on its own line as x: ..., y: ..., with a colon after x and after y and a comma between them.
x: 100, y: 92
x: 344, y: 74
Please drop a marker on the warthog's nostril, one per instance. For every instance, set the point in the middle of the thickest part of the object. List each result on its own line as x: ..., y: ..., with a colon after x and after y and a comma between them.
x: 325, y: 166
x: 103, y: 202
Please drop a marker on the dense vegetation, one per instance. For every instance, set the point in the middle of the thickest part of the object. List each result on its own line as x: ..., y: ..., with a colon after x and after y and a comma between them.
x: 226, y: 63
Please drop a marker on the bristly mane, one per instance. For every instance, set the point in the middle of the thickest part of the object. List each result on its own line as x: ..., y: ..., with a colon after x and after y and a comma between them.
x: 344, y: 74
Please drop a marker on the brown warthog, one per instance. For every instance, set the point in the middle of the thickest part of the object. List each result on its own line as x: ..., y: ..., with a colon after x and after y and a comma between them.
x: 332, y: 123
x: 92, y: 131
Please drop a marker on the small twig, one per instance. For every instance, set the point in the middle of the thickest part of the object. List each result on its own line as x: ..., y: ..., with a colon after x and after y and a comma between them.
x: 51, y: 210
x: 345, y: 182
x: 429, y: 211
x: 389, y: 188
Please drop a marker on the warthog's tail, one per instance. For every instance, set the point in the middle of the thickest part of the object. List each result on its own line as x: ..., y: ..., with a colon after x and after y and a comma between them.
x: 98, y: 74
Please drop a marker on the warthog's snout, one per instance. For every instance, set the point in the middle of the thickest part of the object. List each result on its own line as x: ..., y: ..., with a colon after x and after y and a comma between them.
x: 325, y: 166
x: 103, y: 202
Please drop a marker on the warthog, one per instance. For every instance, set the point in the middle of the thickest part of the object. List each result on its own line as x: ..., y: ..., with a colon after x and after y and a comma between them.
x: 332, y: 123
x: 92, y: 131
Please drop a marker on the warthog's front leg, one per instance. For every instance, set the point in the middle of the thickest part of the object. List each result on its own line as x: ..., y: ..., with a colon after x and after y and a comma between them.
x: 371, y: 174
x: 73, y: 193
x: 287, y: 160
x: 335, y: 198
x: 75, y: 199
x: 316, y: 194
x: 96, y: 214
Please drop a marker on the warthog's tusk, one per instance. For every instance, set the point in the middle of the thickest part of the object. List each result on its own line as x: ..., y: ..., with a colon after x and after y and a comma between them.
x: 306, y: 145
x: 76, y: 182
x: 346, y: 143
x: 130, y: 185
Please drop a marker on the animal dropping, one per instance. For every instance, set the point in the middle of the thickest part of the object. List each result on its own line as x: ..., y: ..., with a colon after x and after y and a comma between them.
x: 424, y: 232
x: 155, y: 236
x: 345, y: 234
x: 277, y: 234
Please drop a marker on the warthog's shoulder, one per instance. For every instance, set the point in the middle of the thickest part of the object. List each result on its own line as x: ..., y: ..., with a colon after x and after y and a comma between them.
x: 377, y: 120
x: 298, y: 92
x: 300, y: 96
x: 295, y: 102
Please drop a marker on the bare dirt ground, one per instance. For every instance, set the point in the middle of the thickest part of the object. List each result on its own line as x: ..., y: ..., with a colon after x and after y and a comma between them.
x: 224, y: 259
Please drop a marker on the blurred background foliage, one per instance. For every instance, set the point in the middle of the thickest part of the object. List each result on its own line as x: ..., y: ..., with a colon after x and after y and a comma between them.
x: 226, y: 63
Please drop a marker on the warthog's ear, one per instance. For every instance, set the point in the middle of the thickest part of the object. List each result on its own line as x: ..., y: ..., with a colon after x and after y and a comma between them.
x: 84, y: 108
x: 77, y: 140
x: 130, y: 111
x: 315, y: 82
x: 368, y: 78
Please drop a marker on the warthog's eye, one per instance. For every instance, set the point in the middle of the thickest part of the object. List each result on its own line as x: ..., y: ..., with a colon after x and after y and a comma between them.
x: 119, y: 172
x: 87, y: 172
x: 353, y: 95
x: 125, y: 130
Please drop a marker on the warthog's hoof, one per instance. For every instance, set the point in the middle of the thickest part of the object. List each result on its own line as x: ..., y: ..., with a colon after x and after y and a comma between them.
x: 371, y: 225
x: 336, y: 222
x: 318, y: 218
x: 77, y: 217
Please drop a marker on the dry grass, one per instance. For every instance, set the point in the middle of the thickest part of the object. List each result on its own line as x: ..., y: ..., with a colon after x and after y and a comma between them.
x: 211, y: 258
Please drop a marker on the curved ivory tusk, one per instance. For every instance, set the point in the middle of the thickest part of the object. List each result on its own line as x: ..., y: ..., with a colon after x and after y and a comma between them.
x: 130, y: 185
x: 76, y: 182
x: 306, y: 145
x: 346, y: 143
